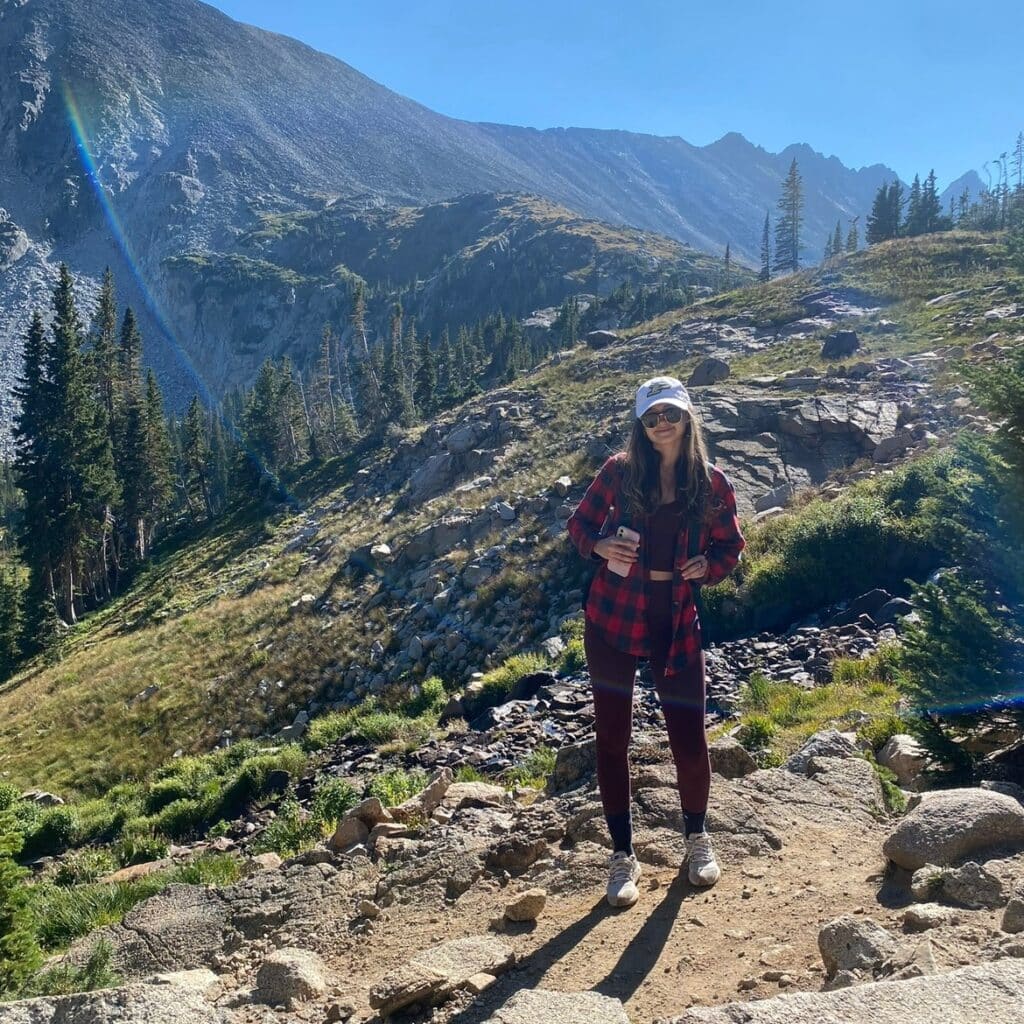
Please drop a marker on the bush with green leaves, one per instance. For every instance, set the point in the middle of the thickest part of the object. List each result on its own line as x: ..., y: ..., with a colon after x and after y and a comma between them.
x: 396, y: 785
x: 533, y: 770
x: 498, y: 683
x: 54, y: 831
x: 331, y: 799
x: 19, y: 951
x: 9, y: 795
x: 290, y: 832
x: 65, y: 979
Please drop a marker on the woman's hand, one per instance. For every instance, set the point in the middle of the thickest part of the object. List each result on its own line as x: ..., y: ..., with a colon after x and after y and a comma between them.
x: 617, y: 549
x: 695, y: 568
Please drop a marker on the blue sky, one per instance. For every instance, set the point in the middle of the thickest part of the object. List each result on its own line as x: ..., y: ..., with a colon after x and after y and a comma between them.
x: 913, y: 85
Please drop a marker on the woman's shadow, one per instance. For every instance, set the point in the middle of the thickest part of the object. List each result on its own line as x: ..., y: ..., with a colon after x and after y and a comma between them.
x: 634, y: 964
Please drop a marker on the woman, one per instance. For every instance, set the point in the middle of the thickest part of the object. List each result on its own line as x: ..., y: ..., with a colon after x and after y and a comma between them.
x: 663, y: 488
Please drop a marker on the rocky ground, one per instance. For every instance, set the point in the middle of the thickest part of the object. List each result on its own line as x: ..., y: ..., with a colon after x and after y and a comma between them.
x: 468, y: 904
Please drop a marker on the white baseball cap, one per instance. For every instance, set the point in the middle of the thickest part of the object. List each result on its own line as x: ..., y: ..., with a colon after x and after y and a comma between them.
x: 661, y: 391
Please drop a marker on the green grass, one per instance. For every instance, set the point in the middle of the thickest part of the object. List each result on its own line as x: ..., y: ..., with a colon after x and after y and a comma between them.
x: 396, y: 785
x: 62, y: 914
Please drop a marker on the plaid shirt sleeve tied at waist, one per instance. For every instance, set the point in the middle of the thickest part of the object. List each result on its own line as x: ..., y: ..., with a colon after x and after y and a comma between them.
x: 617, y: 605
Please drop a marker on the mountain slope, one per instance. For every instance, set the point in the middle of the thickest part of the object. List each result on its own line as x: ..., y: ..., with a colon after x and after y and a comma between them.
x: 130, y: 133
x: 216, y: 623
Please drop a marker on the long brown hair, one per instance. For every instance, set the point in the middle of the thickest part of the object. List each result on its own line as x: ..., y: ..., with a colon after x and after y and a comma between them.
x: 641, y: 481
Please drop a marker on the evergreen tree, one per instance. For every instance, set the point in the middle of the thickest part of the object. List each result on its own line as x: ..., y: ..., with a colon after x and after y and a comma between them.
x: 105, y: 350
x: 291, y: 415
x: 852, y: 236
x: 766, y: 251
x: 398, y: 401
x: 931, y: 206
x: 447, y: 382
x: 788, y: 225
x: 885, y: 218
x: 20, y: 956
x: 33, y: 467
x: 364, y: 378
x: 83, y: 482
x: 426, y: 380
x: 195, y: 464
x: 827, y: 251
x: 727, y: 267
x: 837, y: 240
x: 10, y: 616
x: 915, y: 214
x: 158, y: 473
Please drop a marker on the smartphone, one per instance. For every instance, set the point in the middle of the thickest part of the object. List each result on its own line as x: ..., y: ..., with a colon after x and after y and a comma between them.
x: 622, y: 568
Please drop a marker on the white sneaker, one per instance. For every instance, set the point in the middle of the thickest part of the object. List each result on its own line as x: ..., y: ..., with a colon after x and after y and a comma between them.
x: 701, y: 859
x: 623, y: 874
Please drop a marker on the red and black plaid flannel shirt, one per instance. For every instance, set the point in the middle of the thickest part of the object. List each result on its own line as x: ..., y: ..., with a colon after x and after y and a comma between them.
x: 617, y: 605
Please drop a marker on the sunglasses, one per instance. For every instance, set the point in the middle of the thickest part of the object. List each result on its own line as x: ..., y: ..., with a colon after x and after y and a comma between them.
x: 673, y: 414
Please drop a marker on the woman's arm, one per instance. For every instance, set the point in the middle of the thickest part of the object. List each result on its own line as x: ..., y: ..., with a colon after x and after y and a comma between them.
x: 725, y: 539
x: 585, y: 523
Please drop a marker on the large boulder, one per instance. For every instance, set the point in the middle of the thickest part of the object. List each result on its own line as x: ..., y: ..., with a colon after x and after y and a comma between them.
x: 948, y: 825
x: 600, y: 339
x: 134, y: 1004
x: 730, y: 758
x: 992, y: 993
x: 573, y: 763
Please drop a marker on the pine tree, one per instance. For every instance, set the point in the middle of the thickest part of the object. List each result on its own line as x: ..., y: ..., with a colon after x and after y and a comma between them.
x: 398, y: 401
x: 852, y: 236
x: 766, y: 251
x: 885, y: 218
x: 158, y: 459
x: 426, y: 380
x: 10, y: 616
x: 291, y: 416
x: 195, y: 461
x: 84, y: 485
x: 914, y: 224
x: 20, y: 956
x: 827, y: 251
x: 837, y: 240
x: 787, y: 227
x: 727, y: 268
x: 105, y: 349
x: 33, y: 465
x: 447, y: 383
x: 365, y: 380
x: 931, y: 206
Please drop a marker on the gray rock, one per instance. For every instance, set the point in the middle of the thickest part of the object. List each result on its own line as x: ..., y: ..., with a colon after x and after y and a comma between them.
x: 600, y: 339
x: 948, y: 825
x: 528, y: 906
x: 573, y: 763
x: 1013, y: 916
x: 971, y: 885
x: 851, y: 943
x: 892, y: 611
x: 290, y: 976
x: 183, y: 927
x: 829, y: 743
x: 539, y: 1006
x: 992, y: 993
x: 840, y: 345
x: 133, y: 1004
x: 924, y: 916
x: 848, y: 778
x: 905, y: 757
x: 730, y: 758
x: 708, y: 371
x: 926, y: 883
x: 437, y: 971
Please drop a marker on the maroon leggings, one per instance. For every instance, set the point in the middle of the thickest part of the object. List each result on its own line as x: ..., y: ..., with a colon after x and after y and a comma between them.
x: 682, y: 697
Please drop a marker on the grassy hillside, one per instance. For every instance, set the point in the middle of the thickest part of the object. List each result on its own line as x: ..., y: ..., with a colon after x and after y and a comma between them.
x: 211, y: 623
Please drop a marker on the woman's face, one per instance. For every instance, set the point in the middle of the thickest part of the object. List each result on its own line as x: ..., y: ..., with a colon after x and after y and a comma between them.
x: 665, y: 434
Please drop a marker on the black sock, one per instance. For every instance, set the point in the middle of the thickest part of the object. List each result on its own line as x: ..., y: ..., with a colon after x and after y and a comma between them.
x: 620, y: 826
x: 693, y: 821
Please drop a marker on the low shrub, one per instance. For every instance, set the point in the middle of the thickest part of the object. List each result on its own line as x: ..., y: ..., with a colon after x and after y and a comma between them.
x: 332, y: 799
x: 756, y: 732
x: 290, y: 832
x: 55, y: 831
x: 534, y: 769
x: 9, y: 795
x: 755, y: 694
x: 66, y: 979
x: 396, y: 785
x: 498, y: 683
x: 82, y: 866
